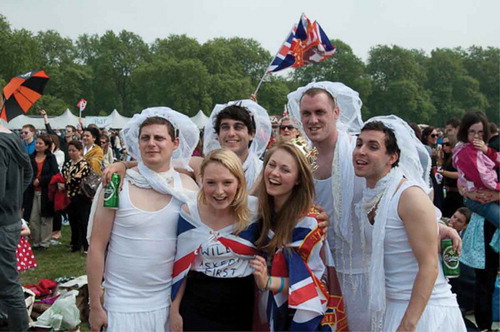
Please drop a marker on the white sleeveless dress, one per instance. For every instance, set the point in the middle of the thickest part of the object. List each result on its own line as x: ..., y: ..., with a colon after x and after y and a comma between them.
x: 442, y: 312
x: 138, y: 268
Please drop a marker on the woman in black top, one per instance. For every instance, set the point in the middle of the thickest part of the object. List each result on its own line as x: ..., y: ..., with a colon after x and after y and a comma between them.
x: 74, y: 170
x: 38, y: 209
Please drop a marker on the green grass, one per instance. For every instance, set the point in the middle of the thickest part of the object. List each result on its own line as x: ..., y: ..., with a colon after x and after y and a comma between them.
x: 56, y: 261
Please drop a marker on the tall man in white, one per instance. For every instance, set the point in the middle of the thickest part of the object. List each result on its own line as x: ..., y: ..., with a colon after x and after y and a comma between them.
x: 137, y: 264
x: 326, y: 112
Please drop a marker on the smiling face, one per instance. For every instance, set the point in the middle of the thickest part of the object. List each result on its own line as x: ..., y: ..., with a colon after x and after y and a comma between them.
x: 370, y: 158
x: 156, y: 147
x: 281, y: 175
x: 219, y: 186
x: 432, y: 138
x: 234, y: 136
x: 458, y: 221
x: 319, y: 116
x: 87, y: 138
x: 40, y: 145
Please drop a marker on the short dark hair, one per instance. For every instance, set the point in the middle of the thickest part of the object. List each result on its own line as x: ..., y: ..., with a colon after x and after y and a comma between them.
x: 453, y: 121
x: 391, y: 143
x: 172, y: 132
x: 426, y: 133
x: 237, y: 113
x: 470, y: 118
x: 30, y: 127
x: 466, y: 212
x: 72, y: 127
x: 77, y: 144
x: 47, y: 141
x: 316, y: 91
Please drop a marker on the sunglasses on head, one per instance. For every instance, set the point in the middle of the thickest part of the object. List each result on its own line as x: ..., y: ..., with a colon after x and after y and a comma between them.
x: 287, y: 127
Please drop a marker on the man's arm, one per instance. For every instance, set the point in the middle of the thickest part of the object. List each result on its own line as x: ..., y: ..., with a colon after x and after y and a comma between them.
x: 47, y: 124
x: 419, y: 219
x: 101, y: 231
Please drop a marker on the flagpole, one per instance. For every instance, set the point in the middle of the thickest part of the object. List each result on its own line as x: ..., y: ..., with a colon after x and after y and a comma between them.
x: 272, y: 59
x: 260, y: 82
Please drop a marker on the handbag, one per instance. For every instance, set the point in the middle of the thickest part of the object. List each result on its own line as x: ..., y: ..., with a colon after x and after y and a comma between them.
x: 89, y: 184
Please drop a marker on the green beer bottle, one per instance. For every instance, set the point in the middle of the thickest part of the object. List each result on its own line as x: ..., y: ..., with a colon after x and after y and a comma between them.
x: 451, y: 262
x: 111, y: 193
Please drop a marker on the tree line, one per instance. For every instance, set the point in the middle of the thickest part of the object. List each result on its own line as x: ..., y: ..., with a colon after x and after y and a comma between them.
x: 121, y: 71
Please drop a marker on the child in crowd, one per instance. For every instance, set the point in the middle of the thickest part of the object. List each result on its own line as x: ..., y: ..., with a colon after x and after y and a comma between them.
x: 25, y: 258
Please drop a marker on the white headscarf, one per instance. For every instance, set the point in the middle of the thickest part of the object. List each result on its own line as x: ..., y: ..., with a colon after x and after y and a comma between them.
x: 252, y: 165
x: 346, y: 98
x: 409, y: 167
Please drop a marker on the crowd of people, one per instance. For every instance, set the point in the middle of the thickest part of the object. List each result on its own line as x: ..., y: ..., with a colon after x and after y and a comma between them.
x: 335, y: 221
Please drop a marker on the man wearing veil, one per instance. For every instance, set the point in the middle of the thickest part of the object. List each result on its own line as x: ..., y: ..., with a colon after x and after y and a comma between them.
x: 329, y: 113
x: 133, y: 247
x: 407, y: 288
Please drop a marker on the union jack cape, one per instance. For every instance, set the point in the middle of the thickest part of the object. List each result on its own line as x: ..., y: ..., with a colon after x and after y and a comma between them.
x: 190, y: 237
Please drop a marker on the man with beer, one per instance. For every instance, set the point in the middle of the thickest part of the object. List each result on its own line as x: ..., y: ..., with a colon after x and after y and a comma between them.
x: 408, y: 291
x: 133, y: 246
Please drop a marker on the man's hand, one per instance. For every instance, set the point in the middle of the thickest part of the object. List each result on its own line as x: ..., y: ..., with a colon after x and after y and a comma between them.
x: 43, y: 113
x: 119, y: 168
x: 446, y: 232
x: 98, y: 319
x: 322, y: 217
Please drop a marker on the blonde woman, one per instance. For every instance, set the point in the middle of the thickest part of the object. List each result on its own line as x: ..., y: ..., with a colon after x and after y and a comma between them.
x: 213, y: 286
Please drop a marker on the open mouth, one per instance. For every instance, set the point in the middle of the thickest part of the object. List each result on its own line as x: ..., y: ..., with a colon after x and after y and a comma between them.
x: 220, y: 198
x: 274, y: 182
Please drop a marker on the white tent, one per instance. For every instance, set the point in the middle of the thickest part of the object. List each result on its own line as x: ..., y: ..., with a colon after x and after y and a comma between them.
x: 115, y: 120
x: 21, y: 120
x: 200, y: 119
x: 61, y: 121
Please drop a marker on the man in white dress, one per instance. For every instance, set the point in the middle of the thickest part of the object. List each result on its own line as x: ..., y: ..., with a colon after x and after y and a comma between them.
x: 407, y: 288
x: 133, y: 247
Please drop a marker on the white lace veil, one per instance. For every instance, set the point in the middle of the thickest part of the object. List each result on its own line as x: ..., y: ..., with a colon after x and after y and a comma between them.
x: 263, y: 127
x: 346, y: 98
x: 414, y: 156
x: 188, y: 134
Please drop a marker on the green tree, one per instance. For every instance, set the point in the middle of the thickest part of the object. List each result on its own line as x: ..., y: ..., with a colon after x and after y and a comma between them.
x: 398, y: 76
x: 483, y: 65
x: 453, y: 90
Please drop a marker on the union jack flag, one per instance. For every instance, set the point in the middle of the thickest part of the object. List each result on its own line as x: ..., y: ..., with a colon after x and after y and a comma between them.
x: 307, y: 294
x: 305, y: 44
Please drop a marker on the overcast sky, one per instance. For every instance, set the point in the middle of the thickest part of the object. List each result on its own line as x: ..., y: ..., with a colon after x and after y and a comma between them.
x: 419, y: 24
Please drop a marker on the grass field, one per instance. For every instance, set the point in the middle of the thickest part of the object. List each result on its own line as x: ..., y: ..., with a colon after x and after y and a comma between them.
x: 56, y: 261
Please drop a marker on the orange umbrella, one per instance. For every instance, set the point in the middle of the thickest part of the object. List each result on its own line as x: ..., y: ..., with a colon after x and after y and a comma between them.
x: 22, y: 92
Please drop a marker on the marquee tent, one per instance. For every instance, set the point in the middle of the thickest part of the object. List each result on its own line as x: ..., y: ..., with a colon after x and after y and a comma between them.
x: 200, y: 119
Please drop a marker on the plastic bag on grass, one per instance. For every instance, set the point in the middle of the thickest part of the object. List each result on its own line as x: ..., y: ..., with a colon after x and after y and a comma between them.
x: 63, y: 314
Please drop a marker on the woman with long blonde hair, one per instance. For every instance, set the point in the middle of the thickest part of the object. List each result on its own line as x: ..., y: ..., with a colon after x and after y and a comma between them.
x: 213, y: 287
x: 292, y: 240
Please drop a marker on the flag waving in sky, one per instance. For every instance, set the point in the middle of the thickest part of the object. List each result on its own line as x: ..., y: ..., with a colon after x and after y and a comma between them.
x: 307, y: 43
x: 82, y: 104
